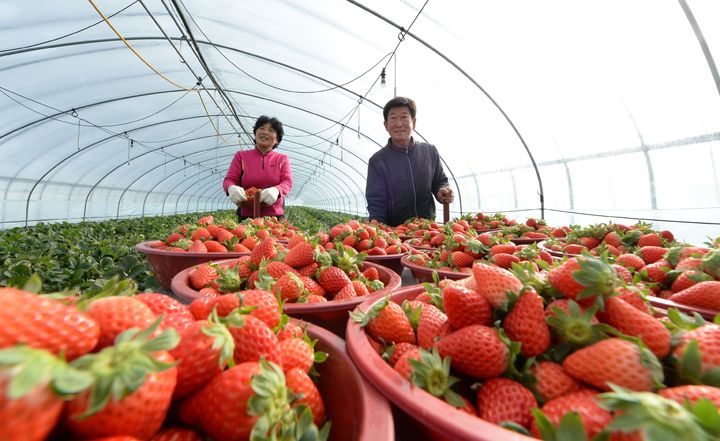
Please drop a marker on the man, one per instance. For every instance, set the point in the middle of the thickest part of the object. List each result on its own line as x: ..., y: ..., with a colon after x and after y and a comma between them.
x: 405, y: 175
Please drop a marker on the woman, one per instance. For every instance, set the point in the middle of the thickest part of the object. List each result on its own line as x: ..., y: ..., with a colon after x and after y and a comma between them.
x: 262, y: 168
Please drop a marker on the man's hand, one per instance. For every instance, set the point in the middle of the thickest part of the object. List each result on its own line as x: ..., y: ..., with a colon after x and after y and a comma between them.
x: 269, y: 195
x: 445, y: 195
x: 237, y: 194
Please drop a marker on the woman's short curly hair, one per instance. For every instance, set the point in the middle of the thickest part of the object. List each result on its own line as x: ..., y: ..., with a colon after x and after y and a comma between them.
x: 274, y: 123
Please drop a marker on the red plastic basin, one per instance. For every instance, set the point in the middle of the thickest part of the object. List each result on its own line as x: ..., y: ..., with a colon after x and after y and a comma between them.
x: 331, y: 315
x: 358, y: 412
x: 165, y: 264
x: 440, y: 420
x: 663, y: 304
x: 391, y: 261
x: 424, y: 274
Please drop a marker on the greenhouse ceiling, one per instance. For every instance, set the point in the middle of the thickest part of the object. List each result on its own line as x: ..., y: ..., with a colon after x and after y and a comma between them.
x: 577, y: 111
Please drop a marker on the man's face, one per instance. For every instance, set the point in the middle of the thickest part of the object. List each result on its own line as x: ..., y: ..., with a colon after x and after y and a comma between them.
x: 400, y: 125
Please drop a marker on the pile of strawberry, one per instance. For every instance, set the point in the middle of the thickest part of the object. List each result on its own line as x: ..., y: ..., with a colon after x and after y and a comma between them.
x: 416, y: 227
x: 364, y: 237
x: 462, y: 249
x: 684, y: 274
x: 614, y: 239
x: 536, y: 229
x: 147, y: 367
x: 304, y: 272
x: 558, y: 354
x: 480, y: 222
x: 206, y: 236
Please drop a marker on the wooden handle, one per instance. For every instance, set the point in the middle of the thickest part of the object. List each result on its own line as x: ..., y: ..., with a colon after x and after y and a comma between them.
x: 446, y: 213
x: 256, y: 204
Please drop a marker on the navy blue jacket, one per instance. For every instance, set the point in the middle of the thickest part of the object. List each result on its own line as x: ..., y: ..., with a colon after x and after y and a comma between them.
x: 402, y: 184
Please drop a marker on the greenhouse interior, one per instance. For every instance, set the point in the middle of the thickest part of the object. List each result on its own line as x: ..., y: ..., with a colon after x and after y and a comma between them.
x: 360, y: 220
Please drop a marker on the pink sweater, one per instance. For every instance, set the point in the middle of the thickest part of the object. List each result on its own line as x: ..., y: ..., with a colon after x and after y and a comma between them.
x: 249, y: 168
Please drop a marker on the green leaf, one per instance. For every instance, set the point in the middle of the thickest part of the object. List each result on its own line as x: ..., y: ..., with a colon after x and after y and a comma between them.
x: 571, y: 428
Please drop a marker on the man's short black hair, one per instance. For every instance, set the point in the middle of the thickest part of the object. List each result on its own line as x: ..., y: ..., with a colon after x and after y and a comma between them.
x: 274, y: 123
x: 400, y: 101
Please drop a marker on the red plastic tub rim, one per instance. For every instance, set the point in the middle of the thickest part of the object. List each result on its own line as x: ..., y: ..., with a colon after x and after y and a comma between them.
x: 181, y: 288
x: 433, y: 412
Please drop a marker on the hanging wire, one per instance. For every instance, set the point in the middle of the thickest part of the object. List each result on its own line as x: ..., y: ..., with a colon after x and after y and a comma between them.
x: 74, y: 114
x: 78, y: 134
x: 147, y: 63
x: 217, y: 131
x: 66, y: 35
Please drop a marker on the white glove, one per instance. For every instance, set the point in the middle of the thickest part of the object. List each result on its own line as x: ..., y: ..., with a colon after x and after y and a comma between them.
x: 237, y: 194
x: 269, y: 195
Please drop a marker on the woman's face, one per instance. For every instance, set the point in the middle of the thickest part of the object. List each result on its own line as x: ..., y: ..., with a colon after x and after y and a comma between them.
x: 265, y: 137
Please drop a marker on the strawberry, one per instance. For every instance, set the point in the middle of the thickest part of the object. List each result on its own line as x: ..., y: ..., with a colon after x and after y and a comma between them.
x: 574, y: 248
x: 174, y: 237
x: 396, y: 351
x: 689, y: 278
x: 465, y: 307
x: 460, y: 259
x: 265, y: 305
x: 197, y: 247
x: 227, y: 395
x: 386, y: 321
x: 506, y: 248
x: 584, y: 277
x: 312, y: 286
x: 253, y: 339
x: 360, y: 288
x: 652, y: 253
x: 631, y: 321
x: 177, y: 434
x: 289, y: 287
x: 201, y: 233
x: 201, y: 307
x: 215, y: 247
x: 297, y: 353
x: 44, y: 323
x: 346, y: 293
x: 589, y: 242
x: 222, y: 235
x: 613, y: 238
x: 264, y: 250
x: 308, y: 270
x: 202, y: 353
x: 33, y: 383
x: 705, y: 356
x: 301, y: 384
x: 249, y: 242
x: 111, y: 406
x: 494, y: 283
x: 615, y: 361
x: 206, y: 220
x: 313, y: 298
x: 290, y: 330
x: 117, y: 314
x: 526, y: 324
x: 655, y: 272
x: 502, y: 399
x: 593, y: 417
x: 432, y: 325
x: 650, y: 239
x: 703, y: 294
x: 333, y: 279
x: 622, y: 272
x: 277, y: 269
x: 402, y: 366
x: 163, y: 304
x: 504, y: 260
x: 475, y: 350
x: 300, y: 255
x: 552, y: 381
x: 692, y: 393
x: 202, y: 276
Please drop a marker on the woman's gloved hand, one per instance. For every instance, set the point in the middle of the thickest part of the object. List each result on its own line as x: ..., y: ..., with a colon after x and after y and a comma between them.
x: 269, y: 195
x: 237, y: 194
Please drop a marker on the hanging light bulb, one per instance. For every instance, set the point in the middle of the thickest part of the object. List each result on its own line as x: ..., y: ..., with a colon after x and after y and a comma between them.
x: 382, y: 78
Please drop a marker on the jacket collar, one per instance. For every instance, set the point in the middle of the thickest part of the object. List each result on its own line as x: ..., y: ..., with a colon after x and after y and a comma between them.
x: 401, y: 150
